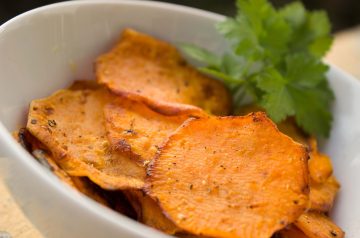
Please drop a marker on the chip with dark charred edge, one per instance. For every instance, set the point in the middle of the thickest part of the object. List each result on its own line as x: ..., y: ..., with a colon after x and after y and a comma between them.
x: 291, y: 232
x: 322, y: 195
x: 20, y: 137
x: 71, y: 124
x: 230, y: 177
x: 84, y: 84
x: 149, y: 212
x: 136, y: 130
x: 288, y: 126
x: 81, y: 184
x: 34, y: 147
x: 47, y: 161
x: 152, y: 71
x: 317, y: 225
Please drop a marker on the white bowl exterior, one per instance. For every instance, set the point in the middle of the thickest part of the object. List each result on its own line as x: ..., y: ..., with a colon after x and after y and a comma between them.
x: 343, y: 146
x: 47, y: 48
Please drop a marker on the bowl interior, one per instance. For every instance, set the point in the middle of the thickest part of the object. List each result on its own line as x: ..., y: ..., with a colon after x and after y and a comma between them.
x: 46, y: 49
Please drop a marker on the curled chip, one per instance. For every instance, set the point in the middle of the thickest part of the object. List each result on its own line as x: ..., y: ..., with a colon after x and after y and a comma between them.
x: 138, y: 131
x: 230, y: 177
x: 33, y: 146
x: 317, y: 225
x: 48, y: 162
x: 71, y: 125
x: 40, y: 153
x: 322, y: 195
x: 320, y: 167
x: 146, y: 69
x: 291, y: 232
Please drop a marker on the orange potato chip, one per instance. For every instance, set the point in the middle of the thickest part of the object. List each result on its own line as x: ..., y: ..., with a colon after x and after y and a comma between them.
x: 230, y: 177
x: 138, y: 131
x: 146, y: 69
x: 40, y: 153
x: 288, y: 126
x: 320, y: 167
x: 322, y: 195
x: 33, y: 146
x: 72, y: 125
x: 317, y: 225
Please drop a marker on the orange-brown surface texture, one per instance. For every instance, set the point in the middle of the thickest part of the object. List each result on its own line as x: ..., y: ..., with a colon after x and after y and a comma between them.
x: 230, y: 177
x: 71, y: 125
x: 322, y: 195
x: 136, y: 130
x: 316, y: 225
x: 146, y: 69
x: 320, y: 167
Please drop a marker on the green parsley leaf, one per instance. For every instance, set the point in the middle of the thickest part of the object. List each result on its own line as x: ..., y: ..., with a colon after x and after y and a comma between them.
x: 277, y: 99
x: 304, y: 71
x: 202, y: 55
x: 294, y: 13
x: 311, y: 30
x: 310, y: 102
x: 276, y: 60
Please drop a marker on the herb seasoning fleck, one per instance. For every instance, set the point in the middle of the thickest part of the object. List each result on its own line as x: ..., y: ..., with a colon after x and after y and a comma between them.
x: 52, y: 123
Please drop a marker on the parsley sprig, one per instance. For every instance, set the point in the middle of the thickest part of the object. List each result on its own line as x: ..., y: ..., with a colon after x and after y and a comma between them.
x: 275, y: 59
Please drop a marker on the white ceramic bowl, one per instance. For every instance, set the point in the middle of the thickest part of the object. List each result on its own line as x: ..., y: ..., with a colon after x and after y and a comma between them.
x: 45, y: 49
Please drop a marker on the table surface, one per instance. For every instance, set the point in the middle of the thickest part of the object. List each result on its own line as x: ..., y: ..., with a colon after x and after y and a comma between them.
x: 345, y: 54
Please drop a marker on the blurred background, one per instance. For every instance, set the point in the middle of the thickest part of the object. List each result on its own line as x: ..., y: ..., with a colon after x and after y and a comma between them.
x: 343, y: 13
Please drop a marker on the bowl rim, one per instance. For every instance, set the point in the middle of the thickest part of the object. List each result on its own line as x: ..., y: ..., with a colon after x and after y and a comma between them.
x: 110, y: 216
x: 147, y: 3
x: 19, y: 153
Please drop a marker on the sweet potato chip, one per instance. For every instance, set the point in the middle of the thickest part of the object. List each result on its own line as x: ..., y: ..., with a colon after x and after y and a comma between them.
x: 288, y: 126
x: 230, y: 177
x: 138, y: 131
x: 40, y: 153
x: 47, y: 161
x: 20, y: 137
x: 149, y: 212
x: 317, y: 225
x: 79, y: 183
x: 146, y: 69
x: 71, y: 124
x: 322, y: 195
x: 320, y: 167
x: 33, y: 146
